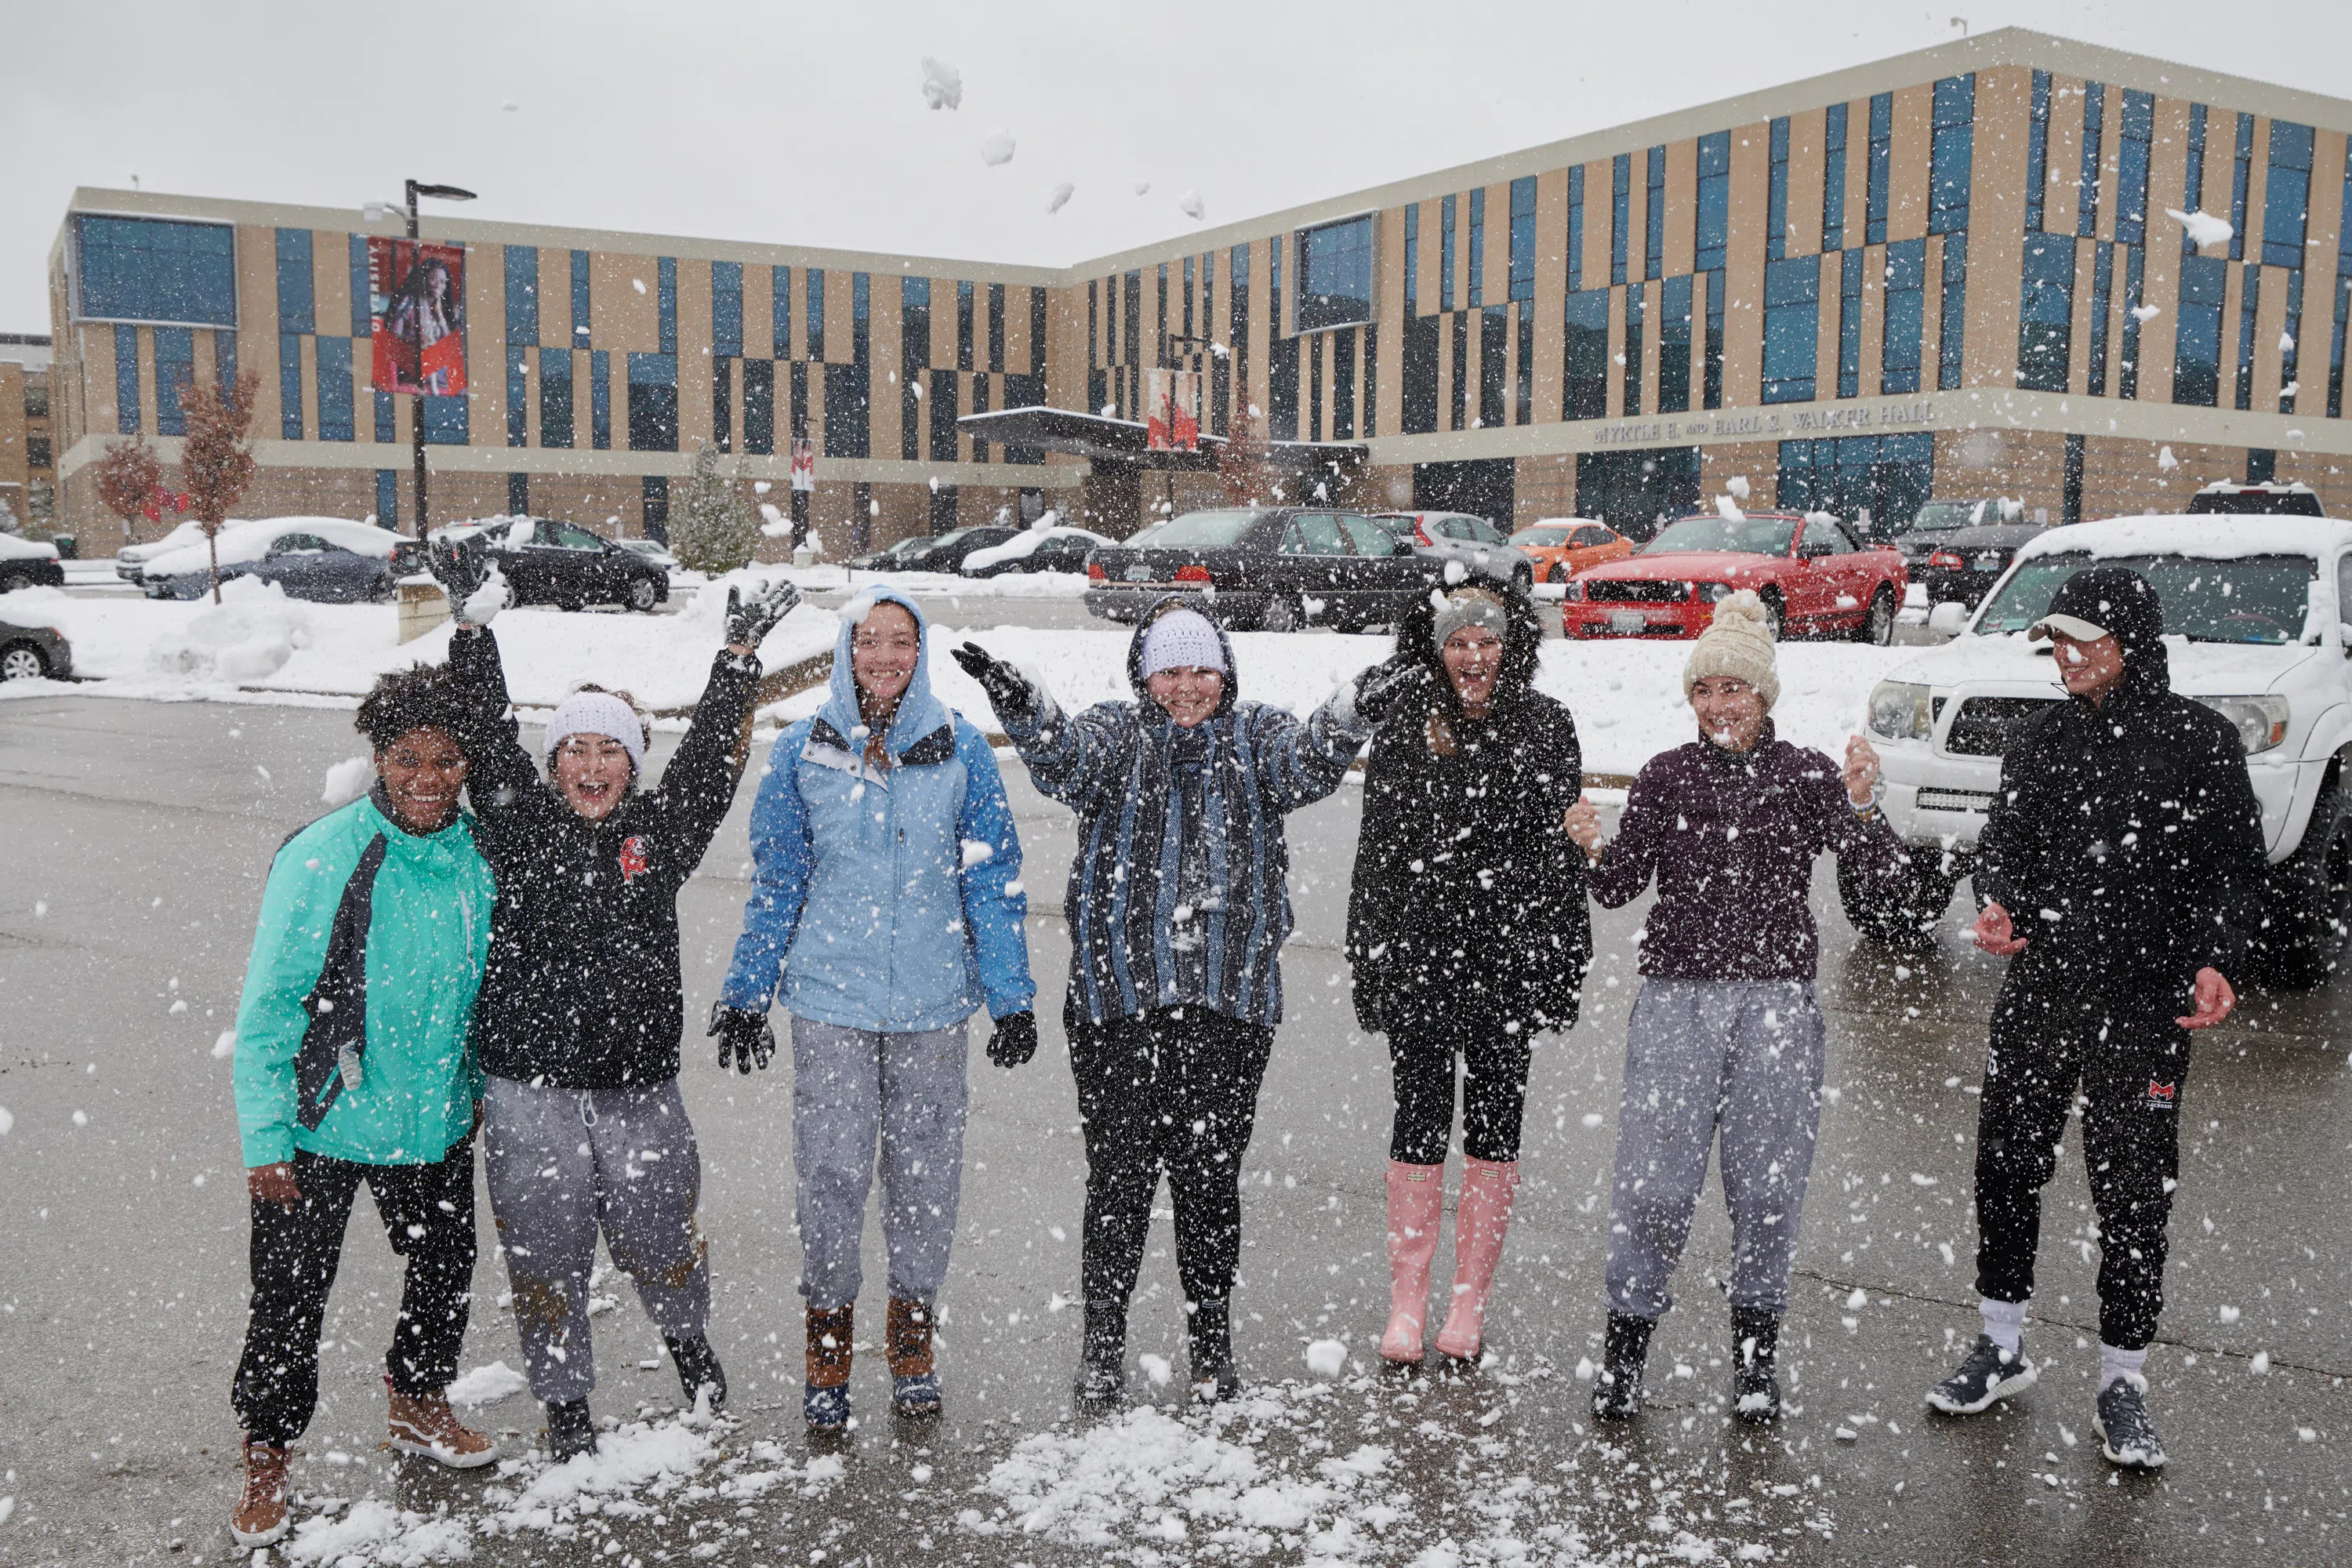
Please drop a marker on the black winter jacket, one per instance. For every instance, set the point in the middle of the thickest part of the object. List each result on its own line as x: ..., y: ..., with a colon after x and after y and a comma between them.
x: 2126, y: 841
x: 1467, y: 888
x: 582, y: 989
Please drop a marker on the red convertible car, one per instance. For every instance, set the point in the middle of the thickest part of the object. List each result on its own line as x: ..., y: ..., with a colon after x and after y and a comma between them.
x: 1811, y: 573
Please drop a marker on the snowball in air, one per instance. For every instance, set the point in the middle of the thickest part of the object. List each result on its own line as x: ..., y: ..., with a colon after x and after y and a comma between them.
x: 2204, y: 228
x: 1156, y: 1368
x: 942, y: 84
x: 347, y: 781
x: 997, y: 151
x: 1736, y: 487
x: 225, y: 1046
x: 1191, y: 205
x: 1143, y: 187
x: 1327, y: 1358
x: 1060, y: 198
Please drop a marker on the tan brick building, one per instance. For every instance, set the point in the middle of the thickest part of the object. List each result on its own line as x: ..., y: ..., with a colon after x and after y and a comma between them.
x: 1950, y: 272
x: 29, y: 467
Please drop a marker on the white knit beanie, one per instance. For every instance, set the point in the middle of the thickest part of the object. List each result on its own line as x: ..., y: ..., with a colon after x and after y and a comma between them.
x: 1738, y: 644
x: 598, y: 713
x: 1182, y: 639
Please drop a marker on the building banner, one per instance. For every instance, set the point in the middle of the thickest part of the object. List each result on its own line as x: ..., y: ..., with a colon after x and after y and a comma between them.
x: 804, y: 465
x: 416, y: 316
x: 1172, y: 419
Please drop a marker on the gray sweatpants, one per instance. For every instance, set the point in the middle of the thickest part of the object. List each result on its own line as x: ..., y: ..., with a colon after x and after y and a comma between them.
x: 1739, y: 1057
x: 563, y: 1162
x: 850, y: 1088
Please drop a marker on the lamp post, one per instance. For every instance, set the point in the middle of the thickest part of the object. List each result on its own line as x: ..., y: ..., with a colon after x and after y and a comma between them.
x: 417, y: 423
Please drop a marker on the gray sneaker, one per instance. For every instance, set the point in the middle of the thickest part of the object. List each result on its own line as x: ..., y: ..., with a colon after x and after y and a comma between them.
x: 1989, y: 1375
x: 2126, y: 1436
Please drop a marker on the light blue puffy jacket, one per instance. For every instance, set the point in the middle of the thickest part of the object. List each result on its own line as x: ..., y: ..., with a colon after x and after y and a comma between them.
x: 889, y: 900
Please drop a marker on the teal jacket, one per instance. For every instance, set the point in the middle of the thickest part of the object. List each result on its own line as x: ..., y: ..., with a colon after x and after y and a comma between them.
x: 370, y: 938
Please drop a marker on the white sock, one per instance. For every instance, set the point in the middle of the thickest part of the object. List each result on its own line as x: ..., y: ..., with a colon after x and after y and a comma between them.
x: 2115, y: 1363
x: 2004, y: 1323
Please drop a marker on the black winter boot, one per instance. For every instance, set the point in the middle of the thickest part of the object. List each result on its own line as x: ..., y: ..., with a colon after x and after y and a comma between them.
x: 1210, y: 1331
x: 571, y: 1430
x: 699, y: 1368
x: 1102, y: 1362
x: 1755, y: 1378
x: 1617, y: 1393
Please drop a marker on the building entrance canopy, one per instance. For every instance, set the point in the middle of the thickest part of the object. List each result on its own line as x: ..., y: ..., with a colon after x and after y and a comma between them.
x: 1101, y: 439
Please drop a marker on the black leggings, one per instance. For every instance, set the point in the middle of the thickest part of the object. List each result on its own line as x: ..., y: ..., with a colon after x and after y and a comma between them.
x: 428, y: 1216
x: 1175, y: 1088
x: 1495, y: 1059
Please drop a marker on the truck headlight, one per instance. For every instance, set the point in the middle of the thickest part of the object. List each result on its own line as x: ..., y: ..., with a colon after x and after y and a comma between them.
x: 1900, y: 711
x: 2260, y: 721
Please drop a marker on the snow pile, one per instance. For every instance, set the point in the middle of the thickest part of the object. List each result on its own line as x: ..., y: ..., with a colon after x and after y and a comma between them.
x: 2204, y: 229
x: 36, y: 607
x: 374, y: 1532
x: 249, y: 636
x: 486, y: 1385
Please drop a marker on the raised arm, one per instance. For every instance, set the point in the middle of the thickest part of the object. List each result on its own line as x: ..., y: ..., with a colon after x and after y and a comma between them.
x: 1297, y: 761
x: 503, y: 781
x: 994, y: 903
x: 783, y: 856
x: 698, y: 785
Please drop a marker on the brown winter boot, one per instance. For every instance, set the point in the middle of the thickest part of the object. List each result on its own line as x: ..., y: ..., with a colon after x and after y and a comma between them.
x: 260, y: 1516
x: 914, y: 1386
x: 424, y: 1424
x: 825, y: 1402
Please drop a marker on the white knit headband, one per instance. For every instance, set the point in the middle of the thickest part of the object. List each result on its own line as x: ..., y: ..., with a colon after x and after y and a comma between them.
x: 598, y: 713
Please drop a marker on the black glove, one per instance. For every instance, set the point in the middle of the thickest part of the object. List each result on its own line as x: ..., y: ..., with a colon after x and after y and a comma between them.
x: 460, y: 569
x: 745, y: 1040
x: 1012, y: 695
x: 749, y: 621
x: 1370, y: 1015
x: 1015, y: 1040
x: 1383, y: 687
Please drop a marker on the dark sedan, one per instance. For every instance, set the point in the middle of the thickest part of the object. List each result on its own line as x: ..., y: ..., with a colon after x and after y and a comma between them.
x: 1937, y: 520
x: 933, y: 552
x: 1272, y: 569
x: 1966, y: 561
x: 33, y: 652
x: 560, y: 563
x: 28, y: 564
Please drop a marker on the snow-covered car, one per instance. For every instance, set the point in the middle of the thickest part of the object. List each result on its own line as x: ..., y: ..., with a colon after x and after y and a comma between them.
x: 28, y: 564
x: 549, y: 562
x: 2255, y: 623
x: 2263, y: 499
x: 131, y: 561
x: 325, y: 559
x: 1476, y: 541
x: 1053, y: 548
x: 33, y: 645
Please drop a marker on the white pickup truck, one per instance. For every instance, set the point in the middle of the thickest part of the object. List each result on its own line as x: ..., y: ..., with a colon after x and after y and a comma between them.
x: 2255, y: 618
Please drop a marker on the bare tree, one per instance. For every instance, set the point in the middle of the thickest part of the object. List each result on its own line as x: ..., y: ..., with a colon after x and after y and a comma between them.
x: 1246, y: 462
x: 216, y: 463
x: 129, y: 475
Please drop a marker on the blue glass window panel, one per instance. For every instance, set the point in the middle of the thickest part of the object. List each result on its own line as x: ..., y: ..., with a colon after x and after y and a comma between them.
x: 727, y: 309
x: 2103, y: 288
x: 361, y: 308
x: 2192, y: 195
x: 518, y: 395
x: 666, y: 284
x: 1412, y: 259
x: 387, y: 421
x: 2336, y: 346
x: 2290, y: 355
x: 225, y: 360
x: 1906, y: 300
x: 522, y: 294
x: 1477, y: 247
x: 1951, y: 153
x: 1587, y: 390
x: 175, y: 372
x: 289, y: 385
x: 2249, y: 307
x: 1850, y: 323
x: 1275, y: 250
x: 578, y: 298
x: 1654, y: 215
x: 860, y: 312
x: 2037, y: 152
x: 2137, y: 130
x: 2241, y: 172
x: 1882, y: 145
x: 847, y: 421
x: 1793, y: 290
x: 1713, y: 356
x: 387, y: 498
x: 2286, y: 194
x: 1953, y: 315
x: 296, y: 288
x: 1445, y: 257
x: 445, y: 419
x: 1776, y: 198
x: 1674, y: 330
x: 2045, y: 324
x: 1712, y: 229
x: 2197, y: 339
x: 1833, y: 178
x: 149, y: 269
x: 653, y: 403
x: 780, y: 309
x: 2127, y: 367
x: 1635, y: 301
x: 1621, y: 184
x: 1335, y: 273
x: 1576, y: 228
x: 335, y: 412
x: 2086, y: 189
x: 813, y: 311
x: 600, y: 399
x: 555, y: 405
x: 1523, y: 237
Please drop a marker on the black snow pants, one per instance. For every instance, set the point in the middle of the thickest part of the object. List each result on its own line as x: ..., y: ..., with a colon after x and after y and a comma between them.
x: 428, y: 1216
x: 1423, y: 1041
x: 2052, y: 1037
x: 1174, y: 1089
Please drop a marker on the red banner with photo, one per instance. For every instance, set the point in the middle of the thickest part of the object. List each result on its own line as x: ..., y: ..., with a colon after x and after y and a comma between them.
x: 416, y: 316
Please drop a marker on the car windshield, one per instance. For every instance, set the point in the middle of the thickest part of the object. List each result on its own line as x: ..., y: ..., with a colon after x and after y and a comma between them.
x: 1540, y: 538
x: 2244, y: 599
x: 1198, y: 530
x: 2255, y: 504
x: 1747, y: 536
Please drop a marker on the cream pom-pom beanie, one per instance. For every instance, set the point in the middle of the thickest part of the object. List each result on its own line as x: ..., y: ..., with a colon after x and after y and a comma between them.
x: 1738, y: 644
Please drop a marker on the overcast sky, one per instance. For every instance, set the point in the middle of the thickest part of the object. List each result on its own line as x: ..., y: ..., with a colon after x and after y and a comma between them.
x: 799, y: 123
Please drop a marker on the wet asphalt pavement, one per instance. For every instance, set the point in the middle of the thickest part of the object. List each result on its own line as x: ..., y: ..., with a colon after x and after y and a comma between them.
x: 137, y: 838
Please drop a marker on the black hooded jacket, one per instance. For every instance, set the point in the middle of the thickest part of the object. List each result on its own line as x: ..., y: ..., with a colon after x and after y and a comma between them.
x: 2124, y: 841
x: 1466, y: 887
x: 582, y: 989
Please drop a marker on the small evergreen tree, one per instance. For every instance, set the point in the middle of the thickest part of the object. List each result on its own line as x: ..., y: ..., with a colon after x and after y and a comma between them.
x: 710, y: 529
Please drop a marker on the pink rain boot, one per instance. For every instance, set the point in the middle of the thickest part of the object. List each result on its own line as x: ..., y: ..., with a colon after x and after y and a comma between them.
x: 1480, y: 1220
x: 1416, y: 1204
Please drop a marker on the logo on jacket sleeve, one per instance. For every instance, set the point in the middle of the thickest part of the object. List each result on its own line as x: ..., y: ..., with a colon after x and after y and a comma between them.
x: 2161, y: 1096
x: 632, y: 858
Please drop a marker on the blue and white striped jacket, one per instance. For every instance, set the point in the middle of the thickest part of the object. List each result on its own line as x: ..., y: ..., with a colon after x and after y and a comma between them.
x: 1116, y: 766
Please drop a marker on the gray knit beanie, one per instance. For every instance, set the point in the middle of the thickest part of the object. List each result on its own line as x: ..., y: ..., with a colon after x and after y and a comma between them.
x: 1468, y: 608
x: 1738, y: 644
